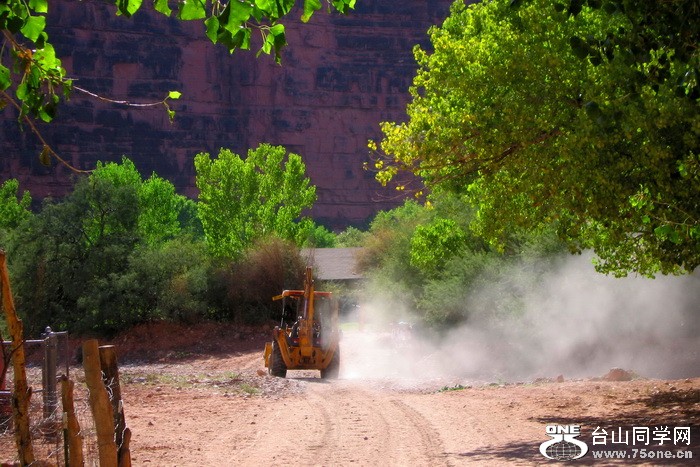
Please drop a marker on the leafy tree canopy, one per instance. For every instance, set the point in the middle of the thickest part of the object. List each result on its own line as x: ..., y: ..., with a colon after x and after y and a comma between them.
x: 159, y: 207
x: 66, y: 252
x: 13, y: 209
x: 352, y: 237
x: 578, y: 113
x: 82, y: 262
x: 433, y: 244
x: 320, y: 237
x: 242, y: 200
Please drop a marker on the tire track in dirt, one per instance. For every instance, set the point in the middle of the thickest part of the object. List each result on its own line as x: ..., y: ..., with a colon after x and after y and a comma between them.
x: 354, y: 429
x: 364, y: 424
x: 431, y: 442
x: 327, y: 424
x: 339, y: 423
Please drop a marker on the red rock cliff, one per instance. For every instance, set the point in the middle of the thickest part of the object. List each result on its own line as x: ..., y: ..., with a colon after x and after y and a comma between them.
x: 340, y: 77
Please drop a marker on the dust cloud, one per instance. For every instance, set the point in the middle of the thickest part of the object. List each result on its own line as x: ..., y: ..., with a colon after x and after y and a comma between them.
x: 574, y: 322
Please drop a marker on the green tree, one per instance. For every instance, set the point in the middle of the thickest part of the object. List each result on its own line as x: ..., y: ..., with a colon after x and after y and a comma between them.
x: 242, y: 200
x: 79, y: 266
x: 159, y: 210
x: 159, y: 207
x: 30, y: 70
x: 189, y: 219
x: 13, y: 208
x: 583, y: 114
x: 434, y: 243
x: 73, y: 252
x: 427, y: 259
x: 386, y: 257
x: 320, y: 237
x: 352, y: 237
x: 169, y: 281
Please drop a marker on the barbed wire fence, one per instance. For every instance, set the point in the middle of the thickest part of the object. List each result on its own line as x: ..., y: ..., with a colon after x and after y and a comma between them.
x: 52, y: 431
x: 48, y: 424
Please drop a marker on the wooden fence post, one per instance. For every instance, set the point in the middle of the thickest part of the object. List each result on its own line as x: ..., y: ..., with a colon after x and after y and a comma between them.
x: 21, y: 394
x: 110, y: 376
x: 99, y: 402
x: 74, y: 439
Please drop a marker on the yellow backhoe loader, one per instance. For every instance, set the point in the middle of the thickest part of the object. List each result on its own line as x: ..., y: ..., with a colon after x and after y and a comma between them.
x: 308, y: 336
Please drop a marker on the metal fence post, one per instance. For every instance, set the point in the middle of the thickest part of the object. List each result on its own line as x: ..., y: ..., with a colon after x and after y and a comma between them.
x: 49, y: 372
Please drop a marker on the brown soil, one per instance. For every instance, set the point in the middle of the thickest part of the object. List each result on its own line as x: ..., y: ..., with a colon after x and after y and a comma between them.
x: 211, y: 403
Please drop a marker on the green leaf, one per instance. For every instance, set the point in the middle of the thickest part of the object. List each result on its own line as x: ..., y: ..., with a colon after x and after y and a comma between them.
x: 44, y: 115
x: 212, y: 24
x: 39, y: 6
x: 174, y: 95
x: 171, y: 115
x: 41, y: 41
x: 47, y: 57
x: 242, y: 39
x: 33, y: 27
x: 234, y: 15
x: 5, y: 80
x: 592, y: 109
x: 128, y: 7
x: 162, y: 7
x: 274, y: 9
x: 343, y: 5
x: 48, y: 112
x: 21, y: 91
x: 67, y: 87
x: 667, y: 232
x: 277, y: 32
x: 610, y: 8
x: 310, y: 7
x: 192, y: 9
x: 267, y: 44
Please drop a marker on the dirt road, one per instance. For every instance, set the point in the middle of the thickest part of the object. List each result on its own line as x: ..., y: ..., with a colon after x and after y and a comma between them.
x: 220, y: 411
x: 199, y: 397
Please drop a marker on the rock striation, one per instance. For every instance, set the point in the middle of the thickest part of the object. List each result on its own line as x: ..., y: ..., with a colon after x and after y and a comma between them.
x: 340, y: 77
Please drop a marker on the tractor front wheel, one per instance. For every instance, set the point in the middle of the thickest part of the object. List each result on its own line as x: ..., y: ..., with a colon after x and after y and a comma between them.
x: 277, y: 366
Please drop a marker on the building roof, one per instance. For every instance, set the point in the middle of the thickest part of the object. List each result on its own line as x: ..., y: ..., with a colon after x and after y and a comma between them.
x: 332, y: 264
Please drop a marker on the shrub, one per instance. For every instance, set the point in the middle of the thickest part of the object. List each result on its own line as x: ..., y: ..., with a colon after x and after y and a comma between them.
x: 271, y: 266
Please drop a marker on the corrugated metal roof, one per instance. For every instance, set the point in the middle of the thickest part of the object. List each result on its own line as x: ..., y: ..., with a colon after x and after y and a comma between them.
x: 332, y: 264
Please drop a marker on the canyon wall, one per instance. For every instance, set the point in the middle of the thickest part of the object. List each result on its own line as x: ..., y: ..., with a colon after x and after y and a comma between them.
x: 340, y: 77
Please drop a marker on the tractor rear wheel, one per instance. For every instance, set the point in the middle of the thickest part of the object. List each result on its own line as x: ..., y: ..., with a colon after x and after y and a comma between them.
x: 277, y: 366
x: 332, y: 370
